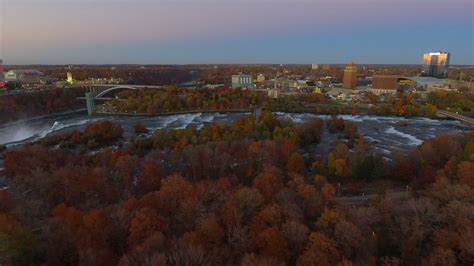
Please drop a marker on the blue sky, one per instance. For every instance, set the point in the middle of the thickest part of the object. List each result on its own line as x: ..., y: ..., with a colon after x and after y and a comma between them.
x: 241, y: 31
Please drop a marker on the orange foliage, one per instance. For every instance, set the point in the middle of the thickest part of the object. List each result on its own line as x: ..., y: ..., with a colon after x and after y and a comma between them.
x: 271, y: 242
x: 146, y: 222
x: 466, y: 173
x: 269, y: 182
x: 295, y: 163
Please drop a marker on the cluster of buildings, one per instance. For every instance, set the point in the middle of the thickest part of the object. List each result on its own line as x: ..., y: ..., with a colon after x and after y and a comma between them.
x: 433, y: 77
x: 20, y: 76
x: 24, y: 76
x: 323, y: 67
x: 242, y: 81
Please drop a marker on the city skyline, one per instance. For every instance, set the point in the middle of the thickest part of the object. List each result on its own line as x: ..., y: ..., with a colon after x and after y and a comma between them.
x: 208, y: 32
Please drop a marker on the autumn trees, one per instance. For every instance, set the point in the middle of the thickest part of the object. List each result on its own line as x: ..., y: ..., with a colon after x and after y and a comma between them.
x: 139, y: 128
x: 39, y: 103
x: 17, y: 242
x: 96, y: 134
x: 404, y: 105
x: 235, y: 194
x: 172, y: 99
x: 222, y: 99
x: 103, y: 131
x: 462, y: 102
x: 310, y: 131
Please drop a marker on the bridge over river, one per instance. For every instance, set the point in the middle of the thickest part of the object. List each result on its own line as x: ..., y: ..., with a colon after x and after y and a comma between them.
x: 100, y: 91
x: 456, y: 116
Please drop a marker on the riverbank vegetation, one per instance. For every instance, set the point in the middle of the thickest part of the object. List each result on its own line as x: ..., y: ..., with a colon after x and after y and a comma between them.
x: 172, y: 99
x: 460, y: 102
x: 24, y: 105
x: 247, y: 193
x: 404, y: 105
x: 95, y: 135
x: 149, y: 75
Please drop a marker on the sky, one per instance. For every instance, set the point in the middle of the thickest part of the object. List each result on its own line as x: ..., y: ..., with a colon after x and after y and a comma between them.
x: 234, y: 31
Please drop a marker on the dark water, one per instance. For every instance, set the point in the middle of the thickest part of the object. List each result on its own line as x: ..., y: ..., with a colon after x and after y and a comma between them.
x: 385, y: 133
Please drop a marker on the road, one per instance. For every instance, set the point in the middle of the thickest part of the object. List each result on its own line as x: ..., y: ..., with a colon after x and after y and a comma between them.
x: 364, y: 199
x: 462, y: 118
x: 26, y: 91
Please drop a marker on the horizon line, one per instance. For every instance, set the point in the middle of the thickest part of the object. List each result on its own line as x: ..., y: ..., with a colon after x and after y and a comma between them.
x: 244, y: 64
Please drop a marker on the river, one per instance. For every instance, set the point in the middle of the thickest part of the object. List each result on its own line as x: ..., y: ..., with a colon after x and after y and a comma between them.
x: 385, y: 133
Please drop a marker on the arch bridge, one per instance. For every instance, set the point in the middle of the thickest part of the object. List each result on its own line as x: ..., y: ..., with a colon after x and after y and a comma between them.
x: 99, y: 91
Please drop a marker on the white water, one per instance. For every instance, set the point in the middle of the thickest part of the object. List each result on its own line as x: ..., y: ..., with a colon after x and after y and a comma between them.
x: 383, y: 132
x: 187, y: 119
x: 167, y: 120
x: 412, y: 139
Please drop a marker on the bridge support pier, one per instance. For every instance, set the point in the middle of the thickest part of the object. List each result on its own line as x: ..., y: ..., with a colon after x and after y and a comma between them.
x: 90, y: 103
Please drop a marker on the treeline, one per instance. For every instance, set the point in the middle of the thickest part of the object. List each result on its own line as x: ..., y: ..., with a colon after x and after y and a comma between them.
x: 39, y: 103
x: 95, y: 135
x: 149, y: 75
x: 461, y: 102
x: 238, y: 194
x: 173, y: 99
x: 405, y: 105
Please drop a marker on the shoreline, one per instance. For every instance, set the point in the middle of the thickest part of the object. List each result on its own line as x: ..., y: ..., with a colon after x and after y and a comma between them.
x: 246, y: 110
x: 172, y: 113
x: 22, y: 120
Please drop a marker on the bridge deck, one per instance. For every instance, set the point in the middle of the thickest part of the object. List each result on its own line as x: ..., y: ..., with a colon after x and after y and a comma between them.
x: 462, y: 118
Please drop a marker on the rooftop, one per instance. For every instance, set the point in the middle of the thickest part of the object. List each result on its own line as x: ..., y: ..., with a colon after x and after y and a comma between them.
x: 337, y: 91
x: 429, y: 81
x: 27, y: 71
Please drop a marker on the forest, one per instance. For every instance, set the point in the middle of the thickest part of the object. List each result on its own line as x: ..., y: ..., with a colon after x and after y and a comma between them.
x: 18, y: 106
x: 461, y: 102
x: 246, y: 193
x: 173, y: 99
x: 149, y: 75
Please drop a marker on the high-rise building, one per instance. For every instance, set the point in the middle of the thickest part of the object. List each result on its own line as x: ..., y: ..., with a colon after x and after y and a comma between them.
x: 242, y: 81
x: 314, y: 66
x: 350, y: 76
x: 326, y: 67
x: 436, y: 64
x: 70, y: 80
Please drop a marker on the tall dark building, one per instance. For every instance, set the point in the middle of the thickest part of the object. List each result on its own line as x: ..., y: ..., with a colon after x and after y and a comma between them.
x: 436, y: 64
x: 350, y: 76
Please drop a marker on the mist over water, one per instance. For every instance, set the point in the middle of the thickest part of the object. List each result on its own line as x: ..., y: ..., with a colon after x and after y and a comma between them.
x: 384, y: 133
